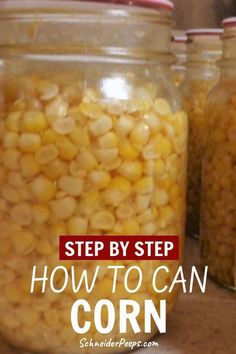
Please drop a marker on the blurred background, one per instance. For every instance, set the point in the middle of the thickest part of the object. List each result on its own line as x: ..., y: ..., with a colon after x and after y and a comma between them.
x: 202, y: 13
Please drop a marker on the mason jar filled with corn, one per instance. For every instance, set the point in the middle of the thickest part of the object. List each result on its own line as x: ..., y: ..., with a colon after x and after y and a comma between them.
x: 218, y: 220
x: 204, y: 49
x: 93, y: 142
x: 178, y: 48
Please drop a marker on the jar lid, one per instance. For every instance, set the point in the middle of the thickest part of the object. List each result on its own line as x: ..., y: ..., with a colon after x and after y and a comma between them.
x: 166, y: 4
x: 204, y: 32
x: 24, y: 4
x: 229, y: 22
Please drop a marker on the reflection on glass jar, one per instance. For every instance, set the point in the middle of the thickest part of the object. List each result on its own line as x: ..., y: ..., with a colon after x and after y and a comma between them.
x: 203, y: 52
x: 178, y: 48
x: 218, y: 225
x: 93, y: 142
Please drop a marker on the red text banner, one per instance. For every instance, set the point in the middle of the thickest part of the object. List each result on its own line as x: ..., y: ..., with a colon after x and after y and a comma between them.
x: 119, y: 247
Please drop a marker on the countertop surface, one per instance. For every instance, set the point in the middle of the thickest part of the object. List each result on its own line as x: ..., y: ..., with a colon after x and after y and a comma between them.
x: 200, y: 324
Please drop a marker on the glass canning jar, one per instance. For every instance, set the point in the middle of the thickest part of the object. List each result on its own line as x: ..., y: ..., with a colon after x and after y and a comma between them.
x: 218, y: 210
x: 93, y: 141
x: 204, y: 48
x: 178, y: 48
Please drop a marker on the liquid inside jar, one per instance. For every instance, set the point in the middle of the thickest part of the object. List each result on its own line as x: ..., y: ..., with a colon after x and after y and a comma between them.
x: 74, y: 163
x: 195, y: 104
x: 218, y: 224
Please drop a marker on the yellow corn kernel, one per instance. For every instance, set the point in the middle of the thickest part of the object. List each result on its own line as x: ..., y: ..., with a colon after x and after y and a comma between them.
x: 113, y: 165
x: 73, y: 186
x: 43, y: 189
x: 160, y: 197
x: 52, y: 316
x: 154, y: 168
x: 21, y: 214
x: 10, y: 194
x: 130, y: 227
x: 132, y: 170
x: 49, y: 136
x: 55, y: 169
x: 180, y: 121
x: 43, y: 247
x: 124, y: 211
x: 56, y: 108
x: 47, y: 90
x: 160, y: 147
x: 142, y: 202
x: 117, y: 192
x: 147, y: 216
x: 165, y: 181
x: 28, y: 316
x: 168, y: 129
x: 153, y: 121
x: 175, y: 193
x: 15, y: 179
x: 115, y: 107
x: 80, y: 137
x: 67, y: 149
x: 127, y: 151
x: 23, y: 241
x: 140, y: 134
x: 40, y: 213
x: 13, y: 120
x: 3, y: 174
x: 63, y: 126
x: 144, y: 185
x: 29, y: 166
x: 29, y: 142
x: 108, y: 140
x: 90, y: 203
x: 5, y: 246
x: 46, y: 154
x: 166, y: 216
x: 33, y: 122
x: 159, y: 167
x: 100, y: 126
x: 86, y: 160
x: 102, y: 220
x: 10, y: 159
x: 125, y: 124
x: 148, y: 229
x: 106, y: 156
x: 100, y: 179
x: 12, y: 293
x: 90, y: 95
x: 63, y: 208
x: 91, y: 110
x: 10, y: 140
x: 162, y: 107
x: 56, y: 230
x: 77, y: 226
x: 121, y: 184
x: 67, y: 334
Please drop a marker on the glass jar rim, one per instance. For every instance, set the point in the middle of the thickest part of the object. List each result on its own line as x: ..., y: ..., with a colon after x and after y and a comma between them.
x: 179, y: 39
x: 229, y: 22
x: 73, y: 4
x: 204, y: 32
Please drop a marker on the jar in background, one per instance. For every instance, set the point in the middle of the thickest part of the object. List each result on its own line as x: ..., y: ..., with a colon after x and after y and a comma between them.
x: 93, y: 142
x: 178, y: 49
x: 218, y: 211
x: 204, y: 48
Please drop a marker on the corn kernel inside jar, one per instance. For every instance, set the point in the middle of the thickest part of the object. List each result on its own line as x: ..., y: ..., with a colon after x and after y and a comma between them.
x: 218, y: 224
x: 195, y: 106
x: 73, y: 163
x: 203, y: 52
